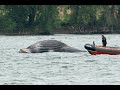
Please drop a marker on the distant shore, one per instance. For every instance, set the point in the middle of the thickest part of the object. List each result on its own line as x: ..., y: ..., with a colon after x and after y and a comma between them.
x: 62, y: 31
x: 21, y: 34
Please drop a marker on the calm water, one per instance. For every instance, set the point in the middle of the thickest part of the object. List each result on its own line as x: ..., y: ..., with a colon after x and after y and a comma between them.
x: 58, y: 68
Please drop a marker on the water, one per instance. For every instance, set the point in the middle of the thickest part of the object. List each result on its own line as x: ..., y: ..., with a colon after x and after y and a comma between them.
x: 58, y: 68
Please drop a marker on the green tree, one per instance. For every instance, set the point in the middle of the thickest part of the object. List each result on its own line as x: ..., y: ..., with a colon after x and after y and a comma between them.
x: 47, y: 19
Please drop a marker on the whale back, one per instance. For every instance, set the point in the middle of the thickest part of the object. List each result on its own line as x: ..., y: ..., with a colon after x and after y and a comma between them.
x: 52, y: 44
x: 46, y: 45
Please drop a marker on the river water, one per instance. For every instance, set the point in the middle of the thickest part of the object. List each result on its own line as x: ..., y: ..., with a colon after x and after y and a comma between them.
x: 58, y: 68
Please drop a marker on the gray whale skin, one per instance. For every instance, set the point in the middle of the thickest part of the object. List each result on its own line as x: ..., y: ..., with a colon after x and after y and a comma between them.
x: 47, y: 46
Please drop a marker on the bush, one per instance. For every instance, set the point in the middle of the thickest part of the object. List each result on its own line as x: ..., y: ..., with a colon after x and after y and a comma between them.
x: 6, y: 24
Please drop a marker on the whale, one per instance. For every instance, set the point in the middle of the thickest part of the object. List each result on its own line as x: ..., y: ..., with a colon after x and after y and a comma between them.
x: 48, y: 46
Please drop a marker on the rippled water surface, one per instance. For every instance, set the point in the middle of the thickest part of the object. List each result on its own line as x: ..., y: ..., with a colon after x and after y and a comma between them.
x: 58, y: 68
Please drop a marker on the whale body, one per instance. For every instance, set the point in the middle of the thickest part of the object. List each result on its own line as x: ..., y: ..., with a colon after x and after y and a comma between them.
x: 47, y: 46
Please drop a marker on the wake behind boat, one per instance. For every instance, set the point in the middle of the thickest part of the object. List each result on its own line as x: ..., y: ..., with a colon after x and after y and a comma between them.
x: 94, y: 50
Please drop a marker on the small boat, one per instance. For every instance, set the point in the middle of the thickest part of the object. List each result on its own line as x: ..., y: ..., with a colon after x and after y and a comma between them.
x: 94, y: 50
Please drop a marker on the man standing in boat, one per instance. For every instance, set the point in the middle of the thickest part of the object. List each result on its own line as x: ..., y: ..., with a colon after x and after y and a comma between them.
x: 104, y: 41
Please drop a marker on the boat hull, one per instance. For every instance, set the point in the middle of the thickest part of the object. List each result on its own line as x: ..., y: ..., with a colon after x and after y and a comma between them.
x: 94, y: 50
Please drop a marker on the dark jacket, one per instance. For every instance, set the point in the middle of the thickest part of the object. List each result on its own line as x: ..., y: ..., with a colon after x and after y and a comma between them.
x: 104, y: 41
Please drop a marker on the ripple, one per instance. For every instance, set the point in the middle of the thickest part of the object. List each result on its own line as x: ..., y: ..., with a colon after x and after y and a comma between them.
x: 107, y: 74
x: 64, y: 67
x: 90, y: 61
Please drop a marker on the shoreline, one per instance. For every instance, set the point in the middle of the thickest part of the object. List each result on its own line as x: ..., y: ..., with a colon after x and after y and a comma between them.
x: 17, y: 34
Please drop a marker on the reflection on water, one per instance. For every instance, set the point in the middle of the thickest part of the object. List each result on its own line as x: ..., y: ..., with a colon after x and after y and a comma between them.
x: 57, y: 68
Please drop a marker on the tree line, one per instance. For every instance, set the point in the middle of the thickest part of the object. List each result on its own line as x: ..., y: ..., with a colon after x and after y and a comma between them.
x: 47, y: 19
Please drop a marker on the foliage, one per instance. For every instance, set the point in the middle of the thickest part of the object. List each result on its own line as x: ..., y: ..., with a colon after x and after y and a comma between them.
x: 6, y: 24
x: 47, y: 18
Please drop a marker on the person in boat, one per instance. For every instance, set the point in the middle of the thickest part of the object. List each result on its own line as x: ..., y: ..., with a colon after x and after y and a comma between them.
x: 104, y: 41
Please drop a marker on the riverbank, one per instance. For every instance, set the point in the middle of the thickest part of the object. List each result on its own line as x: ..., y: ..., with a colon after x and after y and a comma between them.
x: 17, y: 34
x: 63, y: 31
